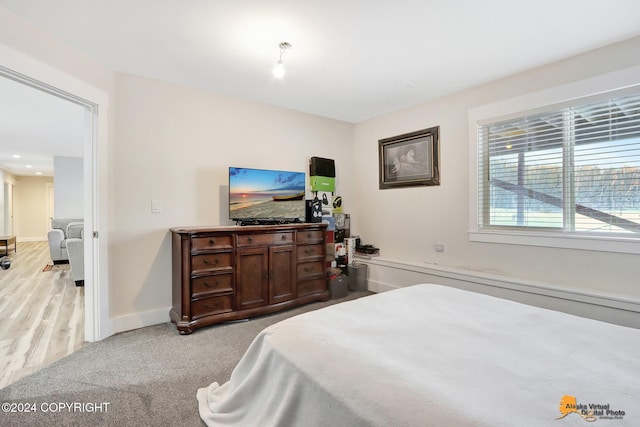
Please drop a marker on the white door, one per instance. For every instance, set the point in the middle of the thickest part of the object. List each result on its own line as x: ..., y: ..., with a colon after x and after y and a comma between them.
x: 8, y: 209
x: 50, y: 200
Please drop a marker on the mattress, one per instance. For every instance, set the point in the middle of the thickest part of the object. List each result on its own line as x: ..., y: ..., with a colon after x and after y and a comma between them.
x: 432, y: 355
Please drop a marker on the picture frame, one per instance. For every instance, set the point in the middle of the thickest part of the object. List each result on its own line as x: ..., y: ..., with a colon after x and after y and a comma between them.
x: 411, y: 159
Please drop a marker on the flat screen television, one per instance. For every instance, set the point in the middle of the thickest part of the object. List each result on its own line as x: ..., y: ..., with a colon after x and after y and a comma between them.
x: 263, y: 196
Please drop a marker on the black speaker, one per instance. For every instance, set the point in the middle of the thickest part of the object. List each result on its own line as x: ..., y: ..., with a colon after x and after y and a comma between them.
x: 322, y: 167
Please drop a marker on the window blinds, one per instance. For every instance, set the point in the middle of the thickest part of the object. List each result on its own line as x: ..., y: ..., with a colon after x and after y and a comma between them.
x: 574, y: 169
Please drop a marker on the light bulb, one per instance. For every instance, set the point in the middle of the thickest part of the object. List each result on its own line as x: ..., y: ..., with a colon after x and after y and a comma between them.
x: 278, y: 70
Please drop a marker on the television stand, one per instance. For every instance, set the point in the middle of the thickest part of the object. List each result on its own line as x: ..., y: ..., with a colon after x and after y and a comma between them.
x: 268, y: 221
x: 231, y: 273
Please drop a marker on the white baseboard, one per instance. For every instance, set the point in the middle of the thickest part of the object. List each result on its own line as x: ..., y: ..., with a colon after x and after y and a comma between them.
x: 139, y: 320
x: 388, y: 274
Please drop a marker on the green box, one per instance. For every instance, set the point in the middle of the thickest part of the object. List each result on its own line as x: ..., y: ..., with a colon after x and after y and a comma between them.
x: 323, y: 183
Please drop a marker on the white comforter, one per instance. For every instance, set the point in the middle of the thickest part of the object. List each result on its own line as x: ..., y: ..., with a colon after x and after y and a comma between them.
x: 431, y: 355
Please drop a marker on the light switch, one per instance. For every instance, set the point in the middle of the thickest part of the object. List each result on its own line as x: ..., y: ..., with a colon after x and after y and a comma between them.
x: 156, y: 206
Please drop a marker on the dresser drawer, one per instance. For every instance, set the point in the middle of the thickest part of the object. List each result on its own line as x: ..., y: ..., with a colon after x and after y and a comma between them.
x: 307, y: 287
x: 215, y: 283
x: 212, y: 242
x: 227, y: 273
x: 310, y: 251
x: 265, y: 239
x: 310, y: 236
x: 308, y: 269
x: 211, y: 261
x: 210, y: 306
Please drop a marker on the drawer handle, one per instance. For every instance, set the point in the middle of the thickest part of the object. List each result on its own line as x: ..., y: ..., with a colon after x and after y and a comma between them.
x: 206, y: 261
x: 307, y: 269
x: 249, y: 239
x: 210, y: 306
x: 283, y: 237
x: 212, y: 242
x: 211, y: 285
x: 308, y: 251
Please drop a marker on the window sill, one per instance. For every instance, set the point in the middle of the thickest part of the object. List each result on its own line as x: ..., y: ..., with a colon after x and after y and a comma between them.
x: 564, y: 241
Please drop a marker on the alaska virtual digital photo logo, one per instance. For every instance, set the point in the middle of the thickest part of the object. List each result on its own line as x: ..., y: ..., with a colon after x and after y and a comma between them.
x: 589, y: 412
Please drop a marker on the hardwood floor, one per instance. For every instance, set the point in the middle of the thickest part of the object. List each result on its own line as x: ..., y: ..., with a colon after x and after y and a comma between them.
x: 41, y: 313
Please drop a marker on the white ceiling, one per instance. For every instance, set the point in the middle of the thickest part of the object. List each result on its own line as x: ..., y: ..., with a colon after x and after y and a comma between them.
x: 37, y: 126
x: 350, y: 59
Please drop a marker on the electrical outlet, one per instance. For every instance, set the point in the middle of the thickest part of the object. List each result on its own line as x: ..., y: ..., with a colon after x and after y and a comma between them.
x: 439, y: 247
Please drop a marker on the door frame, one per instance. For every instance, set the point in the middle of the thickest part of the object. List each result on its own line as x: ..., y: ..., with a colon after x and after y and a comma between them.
x: 9, y: 227
x: 40, y: 76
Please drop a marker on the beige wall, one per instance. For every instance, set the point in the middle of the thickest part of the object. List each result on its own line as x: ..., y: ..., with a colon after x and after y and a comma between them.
x: 30, y: 209
x: 175, y: 144
x: 408, y: 222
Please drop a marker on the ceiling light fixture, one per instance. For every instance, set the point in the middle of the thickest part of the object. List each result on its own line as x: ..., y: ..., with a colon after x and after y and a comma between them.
x: 278, y: 70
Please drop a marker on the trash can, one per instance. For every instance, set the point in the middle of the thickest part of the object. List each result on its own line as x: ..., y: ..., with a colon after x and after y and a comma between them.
x: 338, y: 287
x: 358, y: 277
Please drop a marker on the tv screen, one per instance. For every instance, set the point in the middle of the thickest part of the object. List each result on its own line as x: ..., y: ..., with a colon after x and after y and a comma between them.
x: 266, y: 195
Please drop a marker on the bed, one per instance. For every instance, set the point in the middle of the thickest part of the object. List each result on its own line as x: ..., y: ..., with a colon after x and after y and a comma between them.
x: 431, y: 355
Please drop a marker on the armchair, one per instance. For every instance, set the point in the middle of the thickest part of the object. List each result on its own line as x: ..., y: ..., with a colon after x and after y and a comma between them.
x: 61, y: 231
x: 75, y: 249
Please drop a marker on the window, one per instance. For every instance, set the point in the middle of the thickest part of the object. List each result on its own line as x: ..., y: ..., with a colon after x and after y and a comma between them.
x: 571, y: 169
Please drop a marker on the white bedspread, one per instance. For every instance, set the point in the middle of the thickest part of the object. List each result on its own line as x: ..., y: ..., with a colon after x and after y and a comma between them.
x: 431, y: 355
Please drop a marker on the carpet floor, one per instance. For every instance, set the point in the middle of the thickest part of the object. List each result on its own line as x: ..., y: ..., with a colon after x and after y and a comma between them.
x: 145, y: 377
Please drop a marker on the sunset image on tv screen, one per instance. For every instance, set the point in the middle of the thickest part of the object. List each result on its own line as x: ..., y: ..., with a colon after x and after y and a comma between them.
x: 266, y: 194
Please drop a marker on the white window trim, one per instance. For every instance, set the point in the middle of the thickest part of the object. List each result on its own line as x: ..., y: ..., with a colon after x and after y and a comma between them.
x: 621, y: 80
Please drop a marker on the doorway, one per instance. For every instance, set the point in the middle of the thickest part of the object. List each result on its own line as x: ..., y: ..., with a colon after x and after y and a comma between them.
x: 96, y: 303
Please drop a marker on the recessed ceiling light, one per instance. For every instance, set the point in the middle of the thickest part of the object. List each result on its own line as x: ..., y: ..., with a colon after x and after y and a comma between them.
x: 16, y: 156
x: 29, y: 166
x: 38, y: 173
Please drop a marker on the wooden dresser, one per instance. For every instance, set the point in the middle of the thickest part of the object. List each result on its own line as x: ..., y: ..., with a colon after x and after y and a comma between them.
x: 229, y: 273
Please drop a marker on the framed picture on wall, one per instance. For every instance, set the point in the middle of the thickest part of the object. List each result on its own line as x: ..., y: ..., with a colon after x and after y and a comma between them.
x: 412, y: 159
